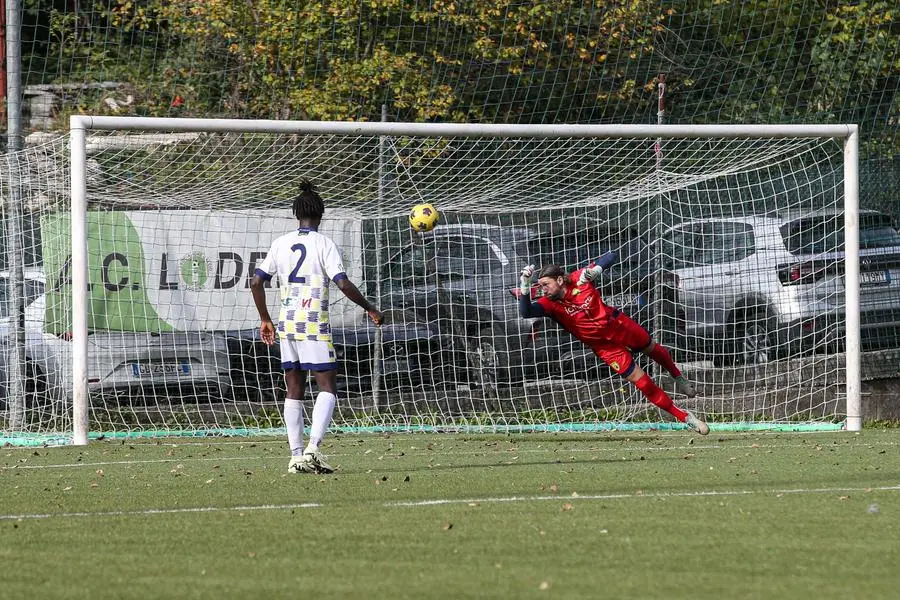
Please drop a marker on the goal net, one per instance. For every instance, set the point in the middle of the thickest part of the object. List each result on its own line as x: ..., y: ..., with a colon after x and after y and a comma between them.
x: 730, y: 247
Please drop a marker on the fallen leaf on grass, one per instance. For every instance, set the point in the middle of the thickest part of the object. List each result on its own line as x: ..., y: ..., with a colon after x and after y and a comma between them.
x: 566, y: 506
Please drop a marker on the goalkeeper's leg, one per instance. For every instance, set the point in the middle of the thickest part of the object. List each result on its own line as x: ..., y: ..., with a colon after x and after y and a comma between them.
x: 631, y: 334
x: 619, y: 360
x: 661, y: 356
x: 657, y: 396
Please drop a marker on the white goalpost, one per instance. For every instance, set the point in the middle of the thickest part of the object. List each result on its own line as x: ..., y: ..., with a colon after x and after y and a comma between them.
x: 738, y: 248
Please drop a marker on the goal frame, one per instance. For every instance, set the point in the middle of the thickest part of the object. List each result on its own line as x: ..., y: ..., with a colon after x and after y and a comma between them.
x: 79, y: 126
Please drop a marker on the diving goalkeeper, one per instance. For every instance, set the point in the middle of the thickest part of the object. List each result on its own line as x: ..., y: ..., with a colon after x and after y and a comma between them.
x: 573, y: 302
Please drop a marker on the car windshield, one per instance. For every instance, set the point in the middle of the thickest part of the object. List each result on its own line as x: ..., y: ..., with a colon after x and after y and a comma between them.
x: 32, y: 290
x: 577, y: 249
x: 819, y: 235
x: 413, y: 262
x: 450, y: 257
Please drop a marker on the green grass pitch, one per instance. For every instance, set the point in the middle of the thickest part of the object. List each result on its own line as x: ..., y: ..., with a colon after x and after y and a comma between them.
x: 603, y: 515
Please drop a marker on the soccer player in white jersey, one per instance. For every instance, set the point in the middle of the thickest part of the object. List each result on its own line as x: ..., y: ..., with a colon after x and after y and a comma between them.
x: 305, y: 261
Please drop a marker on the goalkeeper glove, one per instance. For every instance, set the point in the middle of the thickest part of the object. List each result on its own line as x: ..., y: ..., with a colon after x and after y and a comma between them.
x: 593, y: 273
x: 525, y: 280
x: 589, y: 275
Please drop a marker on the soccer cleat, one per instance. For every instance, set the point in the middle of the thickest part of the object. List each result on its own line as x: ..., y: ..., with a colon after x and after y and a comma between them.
x: 296, y: 464
x: 696, y: 424
x: 314, y: 462
x: 685, y: 387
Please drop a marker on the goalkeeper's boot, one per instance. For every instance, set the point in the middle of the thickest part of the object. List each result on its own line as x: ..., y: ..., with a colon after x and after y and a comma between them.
x: 314, y: 461
x: 693, y: 422
x: 296, y: 464
x: 685, y: 386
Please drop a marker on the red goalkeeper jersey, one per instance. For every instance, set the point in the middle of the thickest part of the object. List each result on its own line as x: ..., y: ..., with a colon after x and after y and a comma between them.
x: 581, y: 312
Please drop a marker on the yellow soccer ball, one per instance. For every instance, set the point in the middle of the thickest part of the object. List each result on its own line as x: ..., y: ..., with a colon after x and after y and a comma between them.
x: 423, y: 217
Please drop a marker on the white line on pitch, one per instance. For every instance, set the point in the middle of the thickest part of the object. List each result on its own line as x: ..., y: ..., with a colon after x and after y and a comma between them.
x: 446, y: 501
x: 158, y: 511
x: 709, y: 493
x: 111, y: 463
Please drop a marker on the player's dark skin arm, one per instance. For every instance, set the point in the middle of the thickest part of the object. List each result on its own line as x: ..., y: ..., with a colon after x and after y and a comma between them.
x: 352, y: 292
x: 266, y: 328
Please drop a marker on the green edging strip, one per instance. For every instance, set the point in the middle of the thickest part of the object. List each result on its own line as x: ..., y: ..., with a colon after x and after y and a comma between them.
x: 30, y: 440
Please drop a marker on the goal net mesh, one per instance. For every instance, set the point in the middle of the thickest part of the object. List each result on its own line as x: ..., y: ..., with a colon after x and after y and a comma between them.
x: 728, y: 254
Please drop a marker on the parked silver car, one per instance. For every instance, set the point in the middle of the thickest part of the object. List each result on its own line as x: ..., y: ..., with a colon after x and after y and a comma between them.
x: 460, y: 278
x: 133, y: 366
x: 750, y: 289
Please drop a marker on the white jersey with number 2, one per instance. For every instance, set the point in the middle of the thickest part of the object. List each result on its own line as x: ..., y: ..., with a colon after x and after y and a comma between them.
x: 305, y: 261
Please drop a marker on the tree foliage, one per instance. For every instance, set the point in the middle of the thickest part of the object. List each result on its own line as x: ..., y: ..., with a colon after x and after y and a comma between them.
x: 482, y: 60
x: 498, y: 61
x: 770, y: 61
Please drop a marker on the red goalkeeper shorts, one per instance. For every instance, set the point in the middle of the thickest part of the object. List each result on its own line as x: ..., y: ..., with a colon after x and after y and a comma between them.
x: 623, y: 336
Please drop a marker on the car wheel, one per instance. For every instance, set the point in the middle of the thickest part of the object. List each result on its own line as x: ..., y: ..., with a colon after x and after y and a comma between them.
x: 37, y: 388
x: 488, y: 356
x: 754, y: 342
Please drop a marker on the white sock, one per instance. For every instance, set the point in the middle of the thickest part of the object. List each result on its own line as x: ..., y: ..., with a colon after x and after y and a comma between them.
x: 321, y: 418
x: 293, y: 421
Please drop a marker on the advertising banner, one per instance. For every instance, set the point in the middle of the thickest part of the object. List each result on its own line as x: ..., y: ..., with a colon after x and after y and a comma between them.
x: 184, y: 270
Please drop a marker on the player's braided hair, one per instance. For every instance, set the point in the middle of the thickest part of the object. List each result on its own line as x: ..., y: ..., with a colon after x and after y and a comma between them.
x: 551, y: 271
x: 308, y: 204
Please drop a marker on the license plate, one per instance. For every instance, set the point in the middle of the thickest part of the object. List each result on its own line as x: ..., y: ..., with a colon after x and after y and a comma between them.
x: 160, y: 369
x: 617, y: 300
x: 874, y: 278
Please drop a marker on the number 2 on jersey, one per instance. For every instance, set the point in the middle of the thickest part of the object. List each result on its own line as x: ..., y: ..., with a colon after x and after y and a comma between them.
x: 293, y: 277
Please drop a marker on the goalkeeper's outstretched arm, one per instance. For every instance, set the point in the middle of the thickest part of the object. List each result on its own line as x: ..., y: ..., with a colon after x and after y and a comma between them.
x: 527, y: 308
x: 592, y: 273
